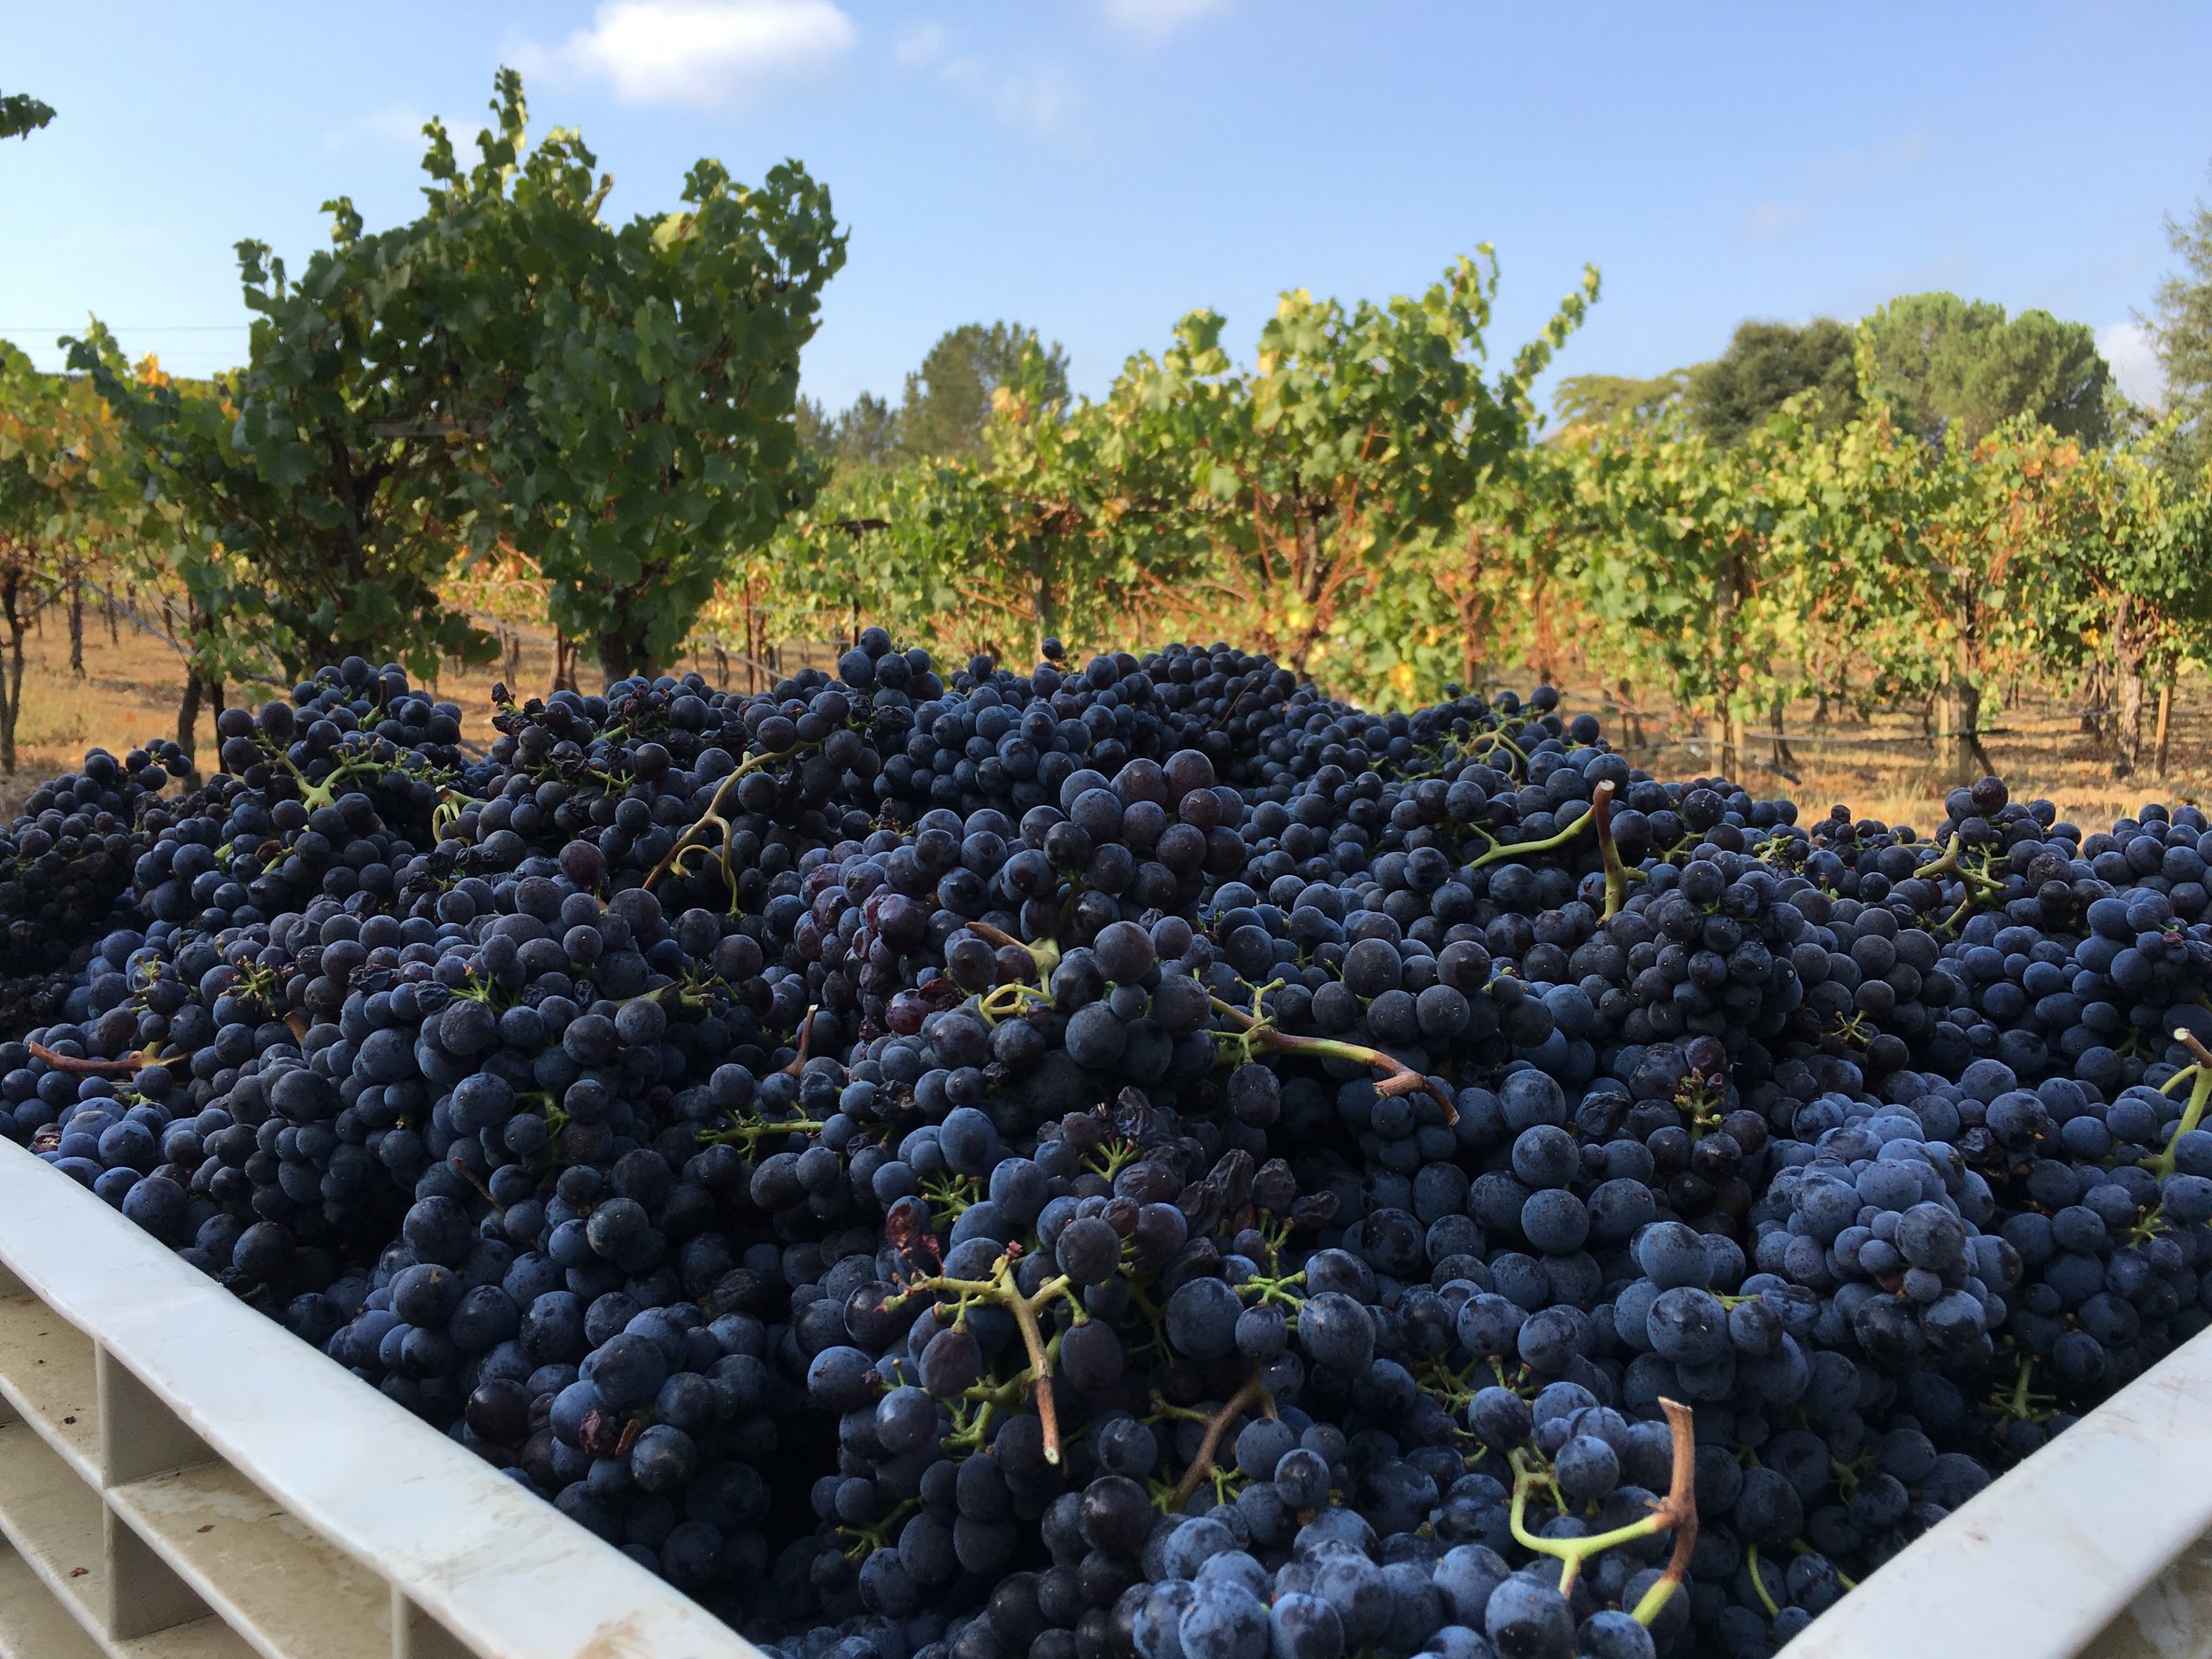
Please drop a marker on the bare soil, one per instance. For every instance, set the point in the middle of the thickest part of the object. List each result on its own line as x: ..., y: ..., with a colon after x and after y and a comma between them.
x: 1886, y: 767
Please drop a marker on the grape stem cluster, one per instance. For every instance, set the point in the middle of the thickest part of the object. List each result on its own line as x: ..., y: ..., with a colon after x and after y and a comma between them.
x: 1255, y: 1032
x: 1678, y: 1510
x: 1498, y: 851
x: 1000, y: 1290
x: 2199, y: 1078
x: 1045, y: 952
x: 128, y: 1065
x: 1252, y: 1393
x: 321, y: 792
x: 1979, y: 886
x: 696, y: 838
x: 1618, y: 874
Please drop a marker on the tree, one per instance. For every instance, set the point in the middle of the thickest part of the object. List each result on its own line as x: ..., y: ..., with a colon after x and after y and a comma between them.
x: 1766, y: 365
x: 864, y: 434
x: 634, y: 390
x: 329, y: 463
x: 67, y: 498
x: 1293, y: 487
x: 2137, y: 543
x: 504, y: 372
x: 2181, y: 328
x: 1511, y: 567
x: 1944, y: 363
x: 1040, y: 536
x: 21, y: 115
x: 947, y: 401
x: 1583, y: 401
x: 1940, y: 555
x: 506, y: 588
x: 204, y: 497
x: 35, y: 469
x: 1683, y: 569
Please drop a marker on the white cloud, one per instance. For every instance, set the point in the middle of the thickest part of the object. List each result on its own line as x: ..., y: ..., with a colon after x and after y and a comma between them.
x: 2127, y: 347
x: 395, y: 124
x: 1829, y: 178
x: 704, y: 53
x: 1856, y: 169
x: 920, y: 47
x: 1768, y: 220
x: 1157, y: 19
x: 1043, y: 100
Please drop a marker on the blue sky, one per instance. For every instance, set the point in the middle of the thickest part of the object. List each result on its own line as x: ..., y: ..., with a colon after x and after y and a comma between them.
x: 1097, y: 167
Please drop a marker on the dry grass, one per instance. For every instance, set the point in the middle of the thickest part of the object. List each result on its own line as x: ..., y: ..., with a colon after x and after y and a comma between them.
x: 1885, y: 768
x: 132, y: 685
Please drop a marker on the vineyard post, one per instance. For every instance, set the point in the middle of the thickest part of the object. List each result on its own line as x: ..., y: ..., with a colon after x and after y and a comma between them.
x: 76, y: 618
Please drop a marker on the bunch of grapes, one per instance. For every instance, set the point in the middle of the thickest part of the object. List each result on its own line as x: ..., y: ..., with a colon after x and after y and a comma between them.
x: 1140, y: 1161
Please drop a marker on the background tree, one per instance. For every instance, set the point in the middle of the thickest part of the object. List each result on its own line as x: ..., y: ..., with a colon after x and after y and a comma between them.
x: 947, y: 400
x: 1681, y: 568
x: 1586, y: 400
x: 1510, y: 568
x: 35, y: 466
x: 70, y: 513
x: 330, y: 464
x: 634, y: 390
x: 865, y: 433
x: 505, y: 589
x: 2180, y: 321
x: 1766, y: 365
x: 2135, y: 543
x: 1944, y: 364
x: 1945, y: 559
x: 21, y: 114
x: 1293, y: 485
x: 1040, y: 536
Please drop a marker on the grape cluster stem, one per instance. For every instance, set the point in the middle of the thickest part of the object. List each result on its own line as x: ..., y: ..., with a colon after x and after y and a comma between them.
x: 1678, y: 1510
x: 1398, y: 1078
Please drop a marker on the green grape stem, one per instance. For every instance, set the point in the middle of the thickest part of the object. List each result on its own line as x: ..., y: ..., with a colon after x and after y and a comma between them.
x: 1496, y: 738
x: 1502, y: 850
x: 999, y: 1290
x: 1678, y: 1510
x: 692, y: 838
x: 749, y: 1132
x: 1398, y: 1078
x: 1045, y: 953
x: 1759, y: 1585
x: 1618, y: 874
x: 2199, y: 1075
x: 323, y: 791
x: 451, y: 804
x: 868, y: 1539
x: 1010, y: 1002
x: 1977, y: 887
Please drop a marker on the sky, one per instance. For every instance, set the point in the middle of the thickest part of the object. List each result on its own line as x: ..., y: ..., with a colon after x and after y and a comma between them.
x: 1097, y: 168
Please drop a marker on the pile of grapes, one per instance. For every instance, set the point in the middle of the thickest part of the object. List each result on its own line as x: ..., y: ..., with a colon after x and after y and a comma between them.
x: 1140, y: 1159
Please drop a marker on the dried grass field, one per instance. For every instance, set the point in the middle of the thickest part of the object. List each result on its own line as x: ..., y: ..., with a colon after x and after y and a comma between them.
x: 1880, y: 768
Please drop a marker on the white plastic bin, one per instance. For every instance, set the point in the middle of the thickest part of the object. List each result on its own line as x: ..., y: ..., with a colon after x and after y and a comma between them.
x: 181, y: 1478
x: 2100, y: 1546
